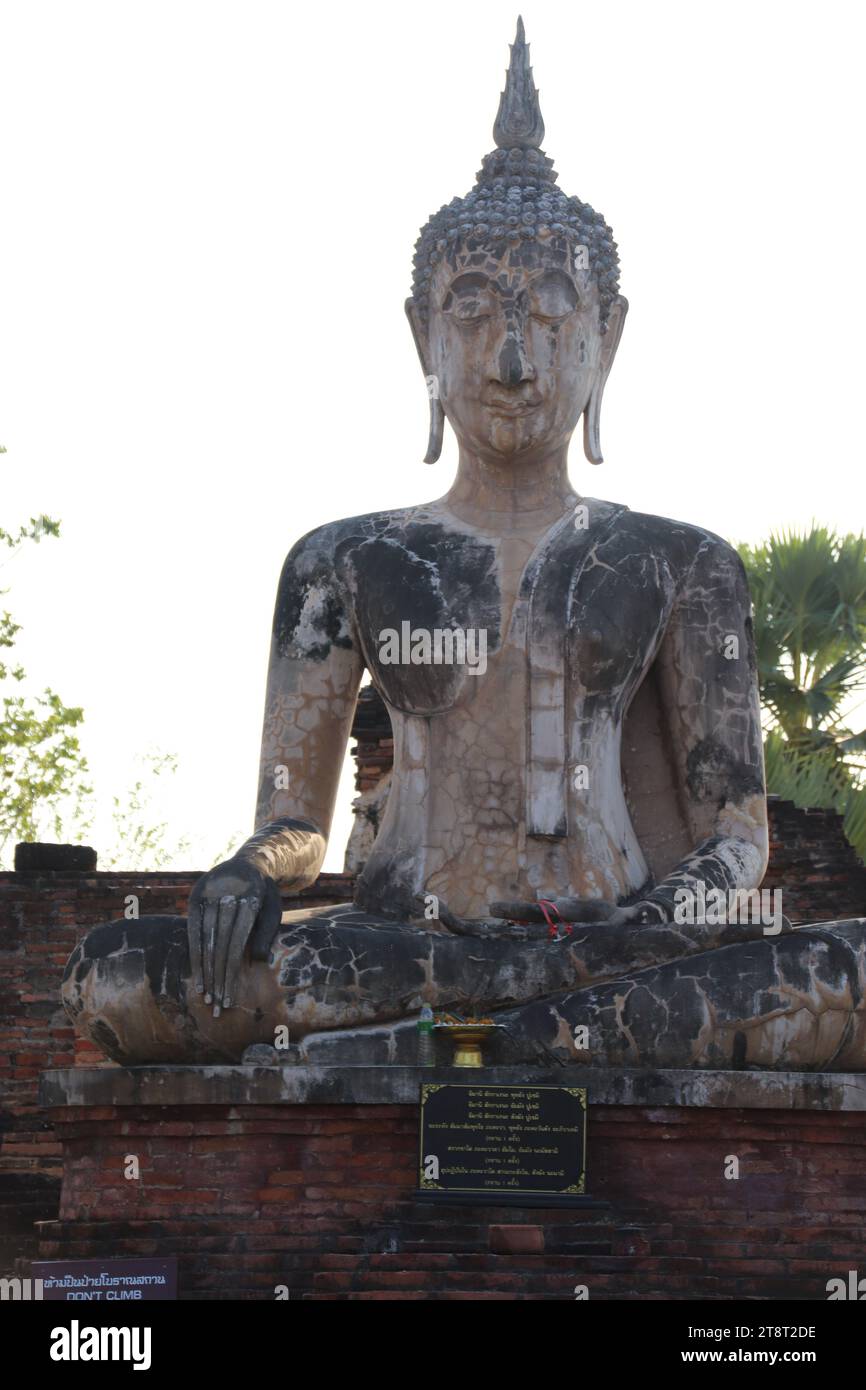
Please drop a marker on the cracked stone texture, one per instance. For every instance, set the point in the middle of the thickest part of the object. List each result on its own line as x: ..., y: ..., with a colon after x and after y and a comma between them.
x: 347, y: 984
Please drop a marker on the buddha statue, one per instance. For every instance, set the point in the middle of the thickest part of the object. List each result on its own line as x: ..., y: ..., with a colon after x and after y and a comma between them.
x: 577, y: 738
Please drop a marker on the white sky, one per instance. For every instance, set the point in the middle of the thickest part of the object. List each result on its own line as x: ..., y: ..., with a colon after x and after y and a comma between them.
x: 208, y: 216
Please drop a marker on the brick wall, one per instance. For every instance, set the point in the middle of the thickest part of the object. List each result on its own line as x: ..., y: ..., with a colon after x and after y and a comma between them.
x: 42, y: 918
x: 374, y: 748
x: 320, y: 1198
x: 819, y: 873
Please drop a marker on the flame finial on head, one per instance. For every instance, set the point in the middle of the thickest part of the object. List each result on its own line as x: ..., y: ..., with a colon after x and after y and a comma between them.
x: 518, y: 122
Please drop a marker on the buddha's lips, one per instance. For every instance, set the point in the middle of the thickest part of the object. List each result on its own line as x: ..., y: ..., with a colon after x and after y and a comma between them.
x: 512, y: 407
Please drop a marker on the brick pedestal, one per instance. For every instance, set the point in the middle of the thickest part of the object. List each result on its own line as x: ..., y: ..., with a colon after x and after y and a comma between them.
x: 304, y: 1177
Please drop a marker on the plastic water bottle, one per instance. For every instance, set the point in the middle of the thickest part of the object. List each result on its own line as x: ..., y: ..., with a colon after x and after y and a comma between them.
x: 425, y: 1037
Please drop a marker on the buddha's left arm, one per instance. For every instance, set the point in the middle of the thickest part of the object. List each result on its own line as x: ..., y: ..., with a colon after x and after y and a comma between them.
x: 710, y: 703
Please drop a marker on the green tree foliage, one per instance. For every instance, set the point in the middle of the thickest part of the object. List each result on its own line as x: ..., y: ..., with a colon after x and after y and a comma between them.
x: 43, y: 791
x: 42, y: 770
x: 137, y: 844
x: 809, y: 597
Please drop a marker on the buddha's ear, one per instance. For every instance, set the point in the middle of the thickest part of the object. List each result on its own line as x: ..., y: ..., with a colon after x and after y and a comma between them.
x: 419, y: 333
x: 437, y: 415
x: 592, y: 414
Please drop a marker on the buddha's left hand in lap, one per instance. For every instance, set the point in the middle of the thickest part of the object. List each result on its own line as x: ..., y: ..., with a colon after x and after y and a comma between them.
x: 529, y: 920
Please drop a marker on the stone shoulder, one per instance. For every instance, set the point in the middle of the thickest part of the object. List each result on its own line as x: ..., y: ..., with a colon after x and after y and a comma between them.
x: 686, y: 546
x: 324, y: 543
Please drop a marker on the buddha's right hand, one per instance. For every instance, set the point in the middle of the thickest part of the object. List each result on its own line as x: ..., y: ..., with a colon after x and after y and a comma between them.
x: 224, y: 906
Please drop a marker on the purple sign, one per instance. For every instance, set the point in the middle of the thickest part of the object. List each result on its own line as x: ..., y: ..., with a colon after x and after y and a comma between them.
x: 106, y: 1281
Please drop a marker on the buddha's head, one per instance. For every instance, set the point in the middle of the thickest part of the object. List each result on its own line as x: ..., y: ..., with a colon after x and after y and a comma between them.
x: 515, y: 307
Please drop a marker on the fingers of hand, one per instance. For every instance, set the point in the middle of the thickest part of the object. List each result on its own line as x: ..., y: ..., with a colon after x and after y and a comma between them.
x: 194, y: 932
x: 248, y: 910
x: 227, y: 908
x: 209, y: 916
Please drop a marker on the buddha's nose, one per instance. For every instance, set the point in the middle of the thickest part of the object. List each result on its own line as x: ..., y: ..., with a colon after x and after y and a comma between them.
x: 514, y: 365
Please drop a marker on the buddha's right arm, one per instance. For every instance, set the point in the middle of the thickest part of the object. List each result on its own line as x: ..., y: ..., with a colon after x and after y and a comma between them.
x: 313, y: 678
x: 314, y: 673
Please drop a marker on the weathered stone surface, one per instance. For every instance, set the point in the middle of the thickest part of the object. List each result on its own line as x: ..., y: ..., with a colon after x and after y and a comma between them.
x: 400, y: 1085
x: 793, y: 1000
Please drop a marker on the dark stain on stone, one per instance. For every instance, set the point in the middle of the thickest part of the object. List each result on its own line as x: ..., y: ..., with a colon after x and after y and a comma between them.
x: 84, y: 968
x: 308, y: 568
x: 430, y: 578
x: 710, y: 765
x: 73, y: 961
x: 380, y: 889
x: 738, y: 1052
x: 106, y: 1038
x: 105, y: 940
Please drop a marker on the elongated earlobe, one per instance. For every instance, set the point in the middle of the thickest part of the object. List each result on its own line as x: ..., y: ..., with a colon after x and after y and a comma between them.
x: 592, y: 425
x: 437, y: 428
x: 592, y: 414
x: 437, y: 414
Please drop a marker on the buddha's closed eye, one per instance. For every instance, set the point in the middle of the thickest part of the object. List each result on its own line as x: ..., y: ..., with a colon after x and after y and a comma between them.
x: 552, y: 298
x: 472, y: 311
x: 470, y: 299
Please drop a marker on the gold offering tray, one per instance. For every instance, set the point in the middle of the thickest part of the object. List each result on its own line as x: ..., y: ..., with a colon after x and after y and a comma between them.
x: 468, y: 1037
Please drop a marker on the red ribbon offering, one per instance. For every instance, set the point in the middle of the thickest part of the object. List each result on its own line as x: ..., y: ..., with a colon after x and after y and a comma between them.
x: 553, y: 922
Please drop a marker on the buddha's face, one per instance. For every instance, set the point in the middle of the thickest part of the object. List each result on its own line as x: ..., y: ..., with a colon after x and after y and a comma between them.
x: 514, y: 345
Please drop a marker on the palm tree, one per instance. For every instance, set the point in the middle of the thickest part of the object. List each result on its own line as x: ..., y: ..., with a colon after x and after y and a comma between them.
x: 809, y: 601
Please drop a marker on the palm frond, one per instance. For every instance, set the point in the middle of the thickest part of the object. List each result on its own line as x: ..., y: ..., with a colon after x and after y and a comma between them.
x: 817, y: 779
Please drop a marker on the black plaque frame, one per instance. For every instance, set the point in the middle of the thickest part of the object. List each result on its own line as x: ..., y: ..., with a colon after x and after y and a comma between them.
x: 573, y: 1195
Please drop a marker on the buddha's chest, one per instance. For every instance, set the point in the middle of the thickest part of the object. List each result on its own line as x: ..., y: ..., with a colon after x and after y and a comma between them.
x: 448, y: 620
